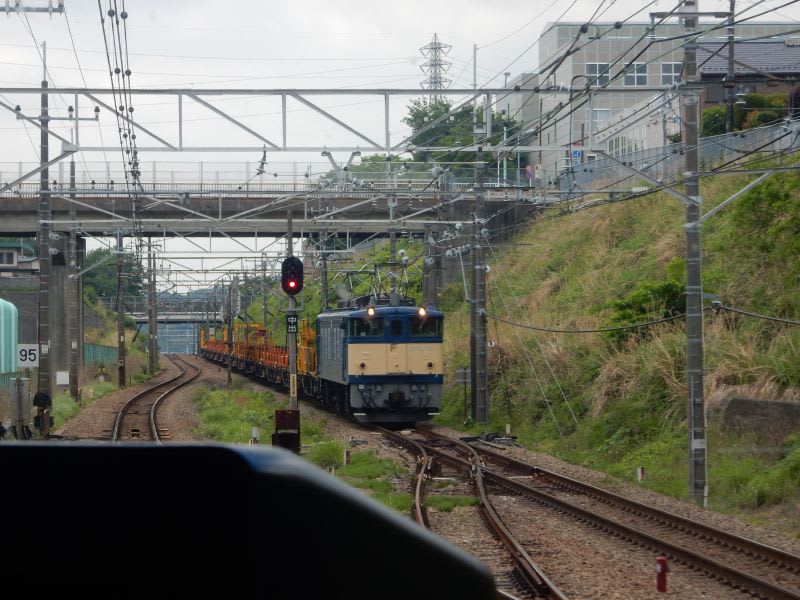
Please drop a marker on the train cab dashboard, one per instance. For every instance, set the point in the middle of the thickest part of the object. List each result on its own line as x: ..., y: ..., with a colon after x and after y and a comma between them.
x: 210, y: 521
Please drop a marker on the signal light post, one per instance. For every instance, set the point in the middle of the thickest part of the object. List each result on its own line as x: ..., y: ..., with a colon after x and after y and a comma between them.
x: 287, y: 422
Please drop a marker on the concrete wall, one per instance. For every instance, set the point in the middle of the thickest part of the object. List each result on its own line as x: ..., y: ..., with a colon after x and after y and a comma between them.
x: 769, y: 421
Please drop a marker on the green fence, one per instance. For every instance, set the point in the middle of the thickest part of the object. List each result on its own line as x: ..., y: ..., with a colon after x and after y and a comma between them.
x: 94, y: 354
x: 5, y: 378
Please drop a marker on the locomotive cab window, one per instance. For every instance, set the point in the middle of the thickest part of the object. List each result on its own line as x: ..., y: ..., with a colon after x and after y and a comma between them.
x: 426, y: 326
x: 366, y: 327
x: 397, y: 327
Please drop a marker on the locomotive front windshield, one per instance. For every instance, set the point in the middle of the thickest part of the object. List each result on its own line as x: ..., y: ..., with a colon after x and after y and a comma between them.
x: 366, y: 327
x: 425, y: 326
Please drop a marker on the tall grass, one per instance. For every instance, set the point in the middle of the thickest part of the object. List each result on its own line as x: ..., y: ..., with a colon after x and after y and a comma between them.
x: 619, y: 403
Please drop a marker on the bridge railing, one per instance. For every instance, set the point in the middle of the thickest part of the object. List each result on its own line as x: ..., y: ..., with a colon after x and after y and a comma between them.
x: 100, y: 178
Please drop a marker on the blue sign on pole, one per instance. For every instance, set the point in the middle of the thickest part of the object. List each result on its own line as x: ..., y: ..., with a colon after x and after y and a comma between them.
x: 576, y: 154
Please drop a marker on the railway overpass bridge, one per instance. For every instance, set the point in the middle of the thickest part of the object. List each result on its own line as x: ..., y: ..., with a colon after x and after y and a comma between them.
x: 61, y: 210
x: 170, y: 310
x: 195, y: 209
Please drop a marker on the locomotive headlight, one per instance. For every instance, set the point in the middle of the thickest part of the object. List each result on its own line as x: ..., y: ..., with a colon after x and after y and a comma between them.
x: 363, y: 365
x: 421, y: 311
x: 430, y: 365
x: 371, y: 311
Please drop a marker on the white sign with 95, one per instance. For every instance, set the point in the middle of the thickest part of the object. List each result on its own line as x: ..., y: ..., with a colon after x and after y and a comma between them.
x: 27, y: 356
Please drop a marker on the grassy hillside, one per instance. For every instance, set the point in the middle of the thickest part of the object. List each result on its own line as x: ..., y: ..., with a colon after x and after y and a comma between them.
x: 615, y: 401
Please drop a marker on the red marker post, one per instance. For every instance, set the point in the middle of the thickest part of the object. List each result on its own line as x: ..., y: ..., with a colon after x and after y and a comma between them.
x: 662, y: 568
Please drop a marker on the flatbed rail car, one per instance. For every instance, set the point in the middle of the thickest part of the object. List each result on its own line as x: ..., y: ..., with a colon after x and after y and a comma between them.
x: 377, y: 363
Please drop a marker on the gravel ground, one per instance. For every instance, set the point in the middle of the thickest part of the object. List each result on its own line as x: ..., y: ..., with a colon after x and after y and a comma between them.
x: 97, y: 420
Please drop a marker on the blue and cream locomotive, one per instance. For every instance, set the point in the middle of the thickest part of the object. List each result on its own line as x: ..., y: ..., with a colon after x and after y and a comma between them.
x: 381, y: 360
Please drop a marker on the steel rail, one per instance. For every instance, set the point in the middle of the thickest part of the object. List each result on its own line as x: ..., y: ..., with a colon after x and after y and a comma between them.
x: 723, y: 573
x: 425, y: 463
x: 135, y: 398
x: 153, y: 427
x: 531, y: 573
x: 779, y: 557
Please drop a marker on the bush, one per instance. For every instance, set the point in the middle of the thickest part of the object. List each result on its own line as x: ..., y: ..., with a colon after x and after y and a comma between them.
x: 649, y: 300
x: 326, y: 455
x: 713, y: 121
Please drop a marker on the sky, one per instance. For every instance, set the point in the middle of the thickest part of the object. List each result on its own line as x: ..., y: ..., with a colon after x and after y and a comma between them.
x: 310, y: 44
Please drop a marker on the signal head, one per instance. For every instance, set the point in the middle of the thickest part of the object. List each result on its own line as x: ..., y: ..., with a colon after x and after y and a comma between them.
x: 292, y: 275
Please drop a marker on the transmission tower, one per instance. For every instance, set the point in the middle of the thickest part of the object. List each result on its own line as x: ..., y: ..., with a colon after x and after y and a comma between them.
x: 435, y: 67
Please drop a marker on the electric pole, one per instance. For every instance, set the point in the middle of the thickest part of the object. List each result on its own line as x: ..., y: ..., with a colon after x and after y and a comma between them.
x: 73, y: 291
x: 264, y: 310
x: 324, y: 268
x: 730, y: 80
x: 230, y: 330
x: 120, y: 314
x: 45, y: 391
x: 428, y: 294
x: 392, y: 201
x: 478, y: 362
x: 152, y: 317
x: 690, y: 117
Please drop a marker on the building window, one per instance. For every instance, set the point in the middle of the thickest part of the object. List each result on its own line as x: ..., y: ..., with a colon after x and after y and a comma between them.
x: 670, y: 73
x: 636, y: 74
x: 6, y: 258
x: 598, y: 118
x: 598, y: 71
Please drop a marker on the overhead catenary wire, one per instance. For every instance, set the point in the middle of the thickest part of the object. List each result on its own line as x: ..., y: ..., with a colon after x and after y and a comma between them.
x: 599, y: 330
x: 716, y: 306
x: 552, y: 115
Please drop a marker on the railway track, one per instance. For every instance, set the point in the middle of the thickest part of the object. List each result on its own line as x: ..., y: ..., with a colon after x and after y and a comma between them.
x: 136, y: 420
x: 516, y: 573
x: 760, y: 570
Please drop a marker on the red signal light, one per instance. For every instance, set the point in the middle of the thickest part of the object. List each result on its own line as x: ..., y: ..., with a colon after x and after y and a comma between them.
x: 292, y: 275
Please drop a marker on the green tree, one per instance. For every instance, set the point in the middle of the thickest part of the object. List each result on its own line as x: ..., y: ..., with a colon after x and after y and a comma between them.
x: 713, y: 121
x: 433, y: 126
x: 436, y: 123
x: 759, y: 110
x: 101, y: 280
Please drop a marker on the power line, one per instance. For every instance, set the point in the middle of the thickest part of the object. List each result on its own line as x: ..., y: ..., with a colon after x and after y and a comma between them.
x: 602, y: 330
x: 716, y: 306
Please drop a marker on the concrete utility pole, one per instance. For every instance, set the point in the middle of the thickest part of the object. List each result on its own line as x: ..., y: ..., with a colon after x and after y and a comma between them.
x: 45, y: 215
x: 324, y: 268
x: 730, y: 80
x: 478, y: 360
x: 392, y: 202
x: 428, y: 297
x: 120, y: 315
x: 264, y: 310
x: 230, y: 331
x: 73, y: 295
x: 690, y: 117
x: 152, y: 316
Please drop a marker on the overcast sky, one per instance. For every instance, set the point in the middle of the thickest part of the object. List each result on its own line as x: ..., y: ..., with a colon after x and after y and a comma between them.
x: 309, y: 44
